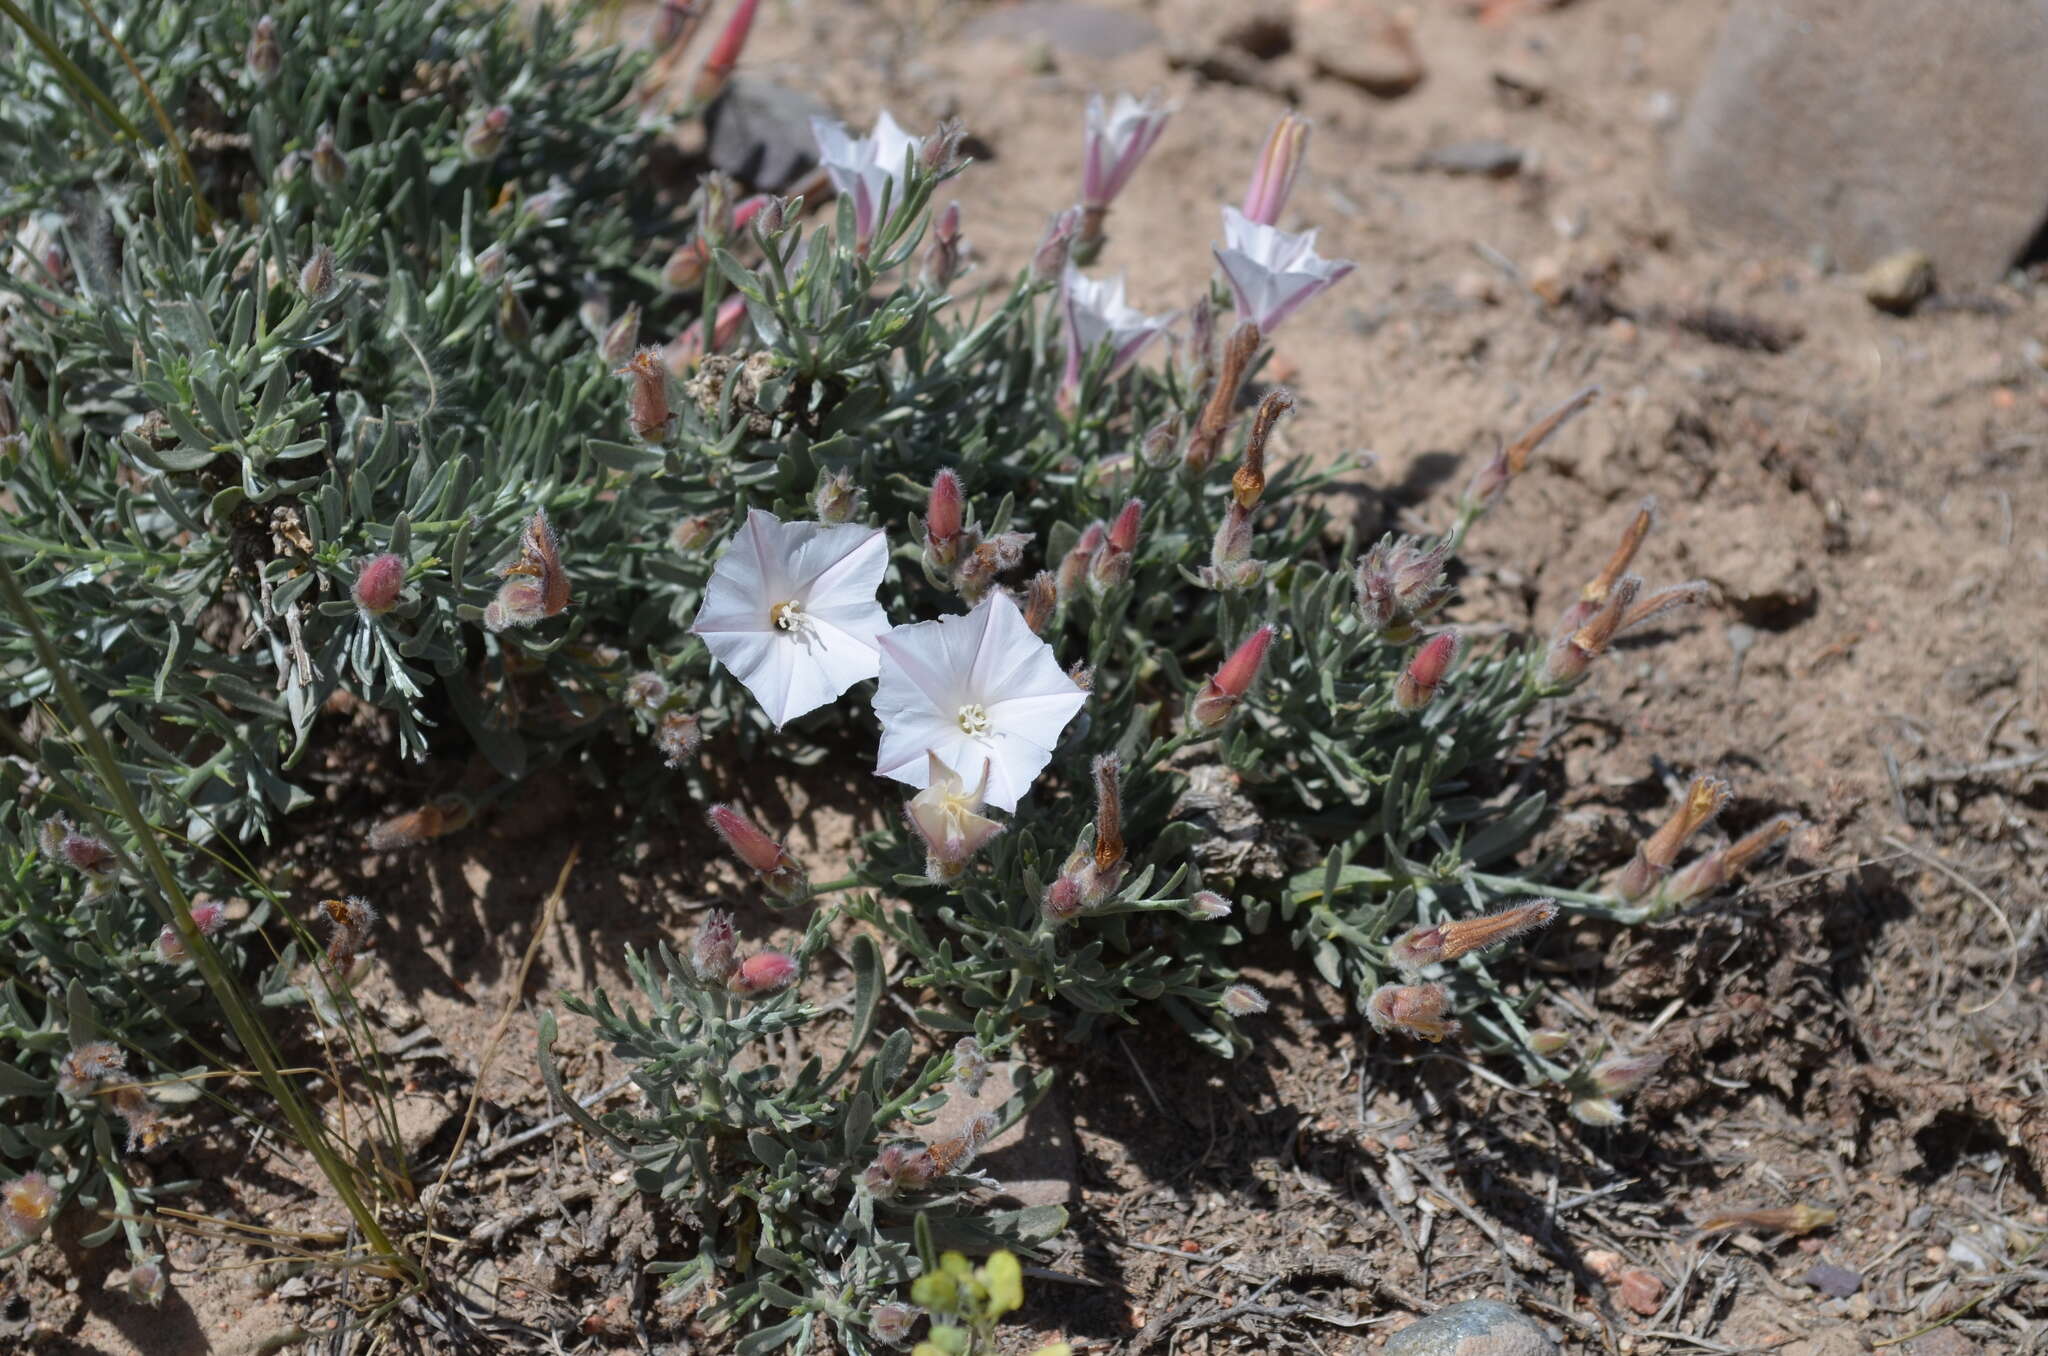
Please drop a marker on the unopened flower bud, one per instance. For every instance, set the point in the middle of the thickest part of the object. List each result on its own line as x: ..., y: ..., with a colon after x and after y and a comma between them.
x: 1423, y: 946
x: 890, y: 1324
x: 1208, y: 905
x: 486, y: 136
x: 82, y: 1069
x: 330, y: 166
x: 265, y: 57
x: 1600, y: 1112
x: 1657, y: 854
x: 27, y: 1205
x: 1570, y: 657
x: 1111, y: 564
x: 81, y: 852
x: 645, y: 691
x: 714, y: 954
x: 687, y: 266
x: 1062, y: 899
x: 1049, y: 260
x: 836, y: 499
x: 207, y: 917
x: 1418, y: 1009
x: 1109, y: 812
x: 1418, y: 683
x: 1720, y: 866
x: 1249, y: 482
x: 379, y: 584
x: 1207, y: 439
x: 317, y: 279
x: 1041, y: 601
x: 1548, y: 1041
x: 725, y: 53
x: 1242, y: 1000
x: 515, y: 322
x: 762, y: 975
x: 1161, y: 448
x: 621, y: 337
x: 692, y: 533
x: 1279, y: 164
x: 647, y: 406
x: 1199, y: 352
x: 349, y: 921
x: 147, y: 1281
x: 490, y: 263
x: 1230, y: 566
x: 768, y: 858
x: 677, y: 735
x: 1220, y: 695
x: 1074, y: 564
x: 970, y: 1065
x: 942, y: 255
x: 945, y: 518
x: 1620, y: 1075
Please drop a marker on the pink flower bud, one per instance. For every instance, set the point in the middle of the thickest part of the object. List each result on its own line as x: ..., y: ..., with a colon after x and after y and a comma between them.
x: 762, y: 975
x: 725, y: 53
x: 1074, y: 565
x: 379, y: 583
x: 1207, y: 904
x: 1417, y: 685
x: 945, y: 517
x: 1063, y: 899
x: 1242, y: 1000
x: 486, y: 136
x: 1111, y: 564
x: 714, y: 955
x: 1418, y: 1009
x: 1620, y: 1075
x: 1220, y: 696
x: 1049, y: 260
x: 1273, y: 180
x: 769, y: 860
x: 207, y: 917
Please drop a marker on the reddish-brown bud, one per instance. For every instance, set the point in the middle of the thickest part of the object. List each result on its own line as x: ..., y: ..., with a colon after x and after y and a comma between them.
x: 762, y: 975
x: 1419, y: 1009
x: 1111, y: 564
x: 725, y: 53
x: 1207, y: 439
x: 1570, y: 656
x: 945, y: 517
x: 768, y: 858
x: 1657, y: 854
x: 1220, y: 696
x: 647, y: 407
x: 1074, y: 564
x: 1109, y: 813
x: 1418, y: 683
x: 1424, y: 946
x: 1722, y: 865
x: 1250, y: 481
x: 379, y: 584
x: 1041, y: 600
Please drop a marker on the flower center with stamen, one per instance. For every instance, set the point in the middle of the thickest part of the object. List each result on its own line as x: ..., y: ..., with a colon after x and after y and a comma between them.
x: 789, y: 616
x: 974, y: 719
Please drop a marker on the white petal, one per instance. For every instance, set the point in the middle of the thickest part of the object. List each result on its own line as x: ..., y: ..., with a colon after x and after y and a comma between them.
x: 908, y: 741
x: 1013, y: 765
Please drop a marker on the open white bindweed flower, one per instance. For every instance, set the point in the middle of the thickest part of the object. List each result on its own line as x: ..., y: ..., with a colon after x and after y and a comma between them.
x: 1097, y: 313
x: 791, y: 610
x: 1273, y: 272
x: 947, y: 815
x: 862, y: 167
x: 968, y: 690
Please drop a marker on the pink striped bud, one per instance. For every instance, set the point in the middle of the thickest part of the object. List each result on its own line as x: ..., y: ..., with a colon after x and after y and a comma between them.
x: 1049, y: 260
x: 762, y: 975
x: 1273, y: 180
x: 1208, y: 905
x: 768, y: 858
x: 1417, y: 685
x: 379, y: 583
x: 945, y: 518
x: 1074, y: 565
x: 1111, y: 565
x: 1220, y: 696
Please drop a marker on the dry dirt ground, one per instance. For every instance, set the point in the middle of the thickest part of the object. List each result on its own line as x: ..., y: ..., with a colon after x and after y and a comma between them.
x: 1860, y: 1030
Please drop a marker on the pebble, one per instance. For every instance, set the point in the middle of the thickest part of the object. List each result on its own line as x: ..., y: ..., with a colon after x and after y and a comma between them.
x: 1376, y: 55
x: 1482, y: 1327
x: 1899, y: 282
x: 1641, y: 1291
x: 760, y: 132
x: 1839, y: 1282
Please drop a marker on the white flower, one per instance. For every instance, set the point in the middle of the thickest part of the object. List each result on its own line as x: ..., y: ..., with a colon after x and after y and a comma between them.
x: 968, y: 690
x: 947, y: 815
x: 791, y: 610
x: 1097, y: 313
x: 1271, y: 271
x: 1116, y: 140
x: 860, y: 167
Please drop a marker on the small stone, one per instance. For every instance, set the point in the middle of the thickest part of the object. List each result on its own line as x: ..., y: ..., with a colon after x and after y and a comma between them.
x: 1604, y: 1264
x: 1899, y: 282
x: 1370, y: 52
x: 1546, y: 278
x: 1473, y: 1328
x: 1078, y: 29
x: 1475, y: 285
x: 760, y: 133
x: 1641, y: 1291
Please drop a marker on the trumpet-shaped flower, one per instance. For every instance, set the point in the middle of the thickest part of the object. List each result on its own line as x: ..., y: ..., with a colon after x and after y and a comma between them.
x: 791, y: 610
x: 1117, y: 138
x: 862, y: 168
x: 1273, y: 272
x: 972, y: 690
x: 1098, y: 314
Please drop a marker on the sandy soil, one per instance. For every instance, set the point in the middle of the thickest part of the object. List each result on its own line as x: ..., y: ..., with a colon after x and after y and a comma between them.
x: 1861, y: 1030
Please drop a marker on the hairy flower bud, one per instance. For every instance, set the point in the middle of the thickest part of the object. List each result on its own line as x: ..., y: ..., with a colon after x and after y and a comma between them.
x: 686, y: 267
x: 264, y: 56
x: 939, y: 153
x: 1656, y: 855
x: 1041, y: 600
x: 1424, y: 946
x: 970, y: 1065
x: 1250, y: 481
x: 1418, y: 1009
x: 1620, y: 1075
x: 1242, y: 1000
x: 945, y: 520
x: 535, y: 585
x: 1600, y: 1112
x: 27, y: 1205
x: 317, y: 280
x: 81, y: 1070
x: 1548, y: 1041
x: 490, y: 263
x: 1492, y: 480
x: 1220, y: 695
x: 714, y: 954
x: 330, y: 166
x: 768, y: 858
x: 836, y: 499
x: 1595, y: 592
x: 1720, y: 866
x: 1207, y: 439
x: 1049, y: 260
x: 81, y: 852
x: 1063, y: 898
x: 942, y: 256
x: 677, y: 735
x: 515, y: 322
x: 1570, y: 657
x: 762, y: 975
x: 1107, y: 770
x: 890, y: 1324
x: 1074, y: 565
x: 349, y: 922
x: 1279, y: 164
x: 486, y: 136
x: 207, y: 917
x: 1111, y: 565
x: 621, y: 337
x: 1161, y: 448
x: 1418, y: 683
x: 1208, y: 905
x: 647, y: 404
x: 379, y: 584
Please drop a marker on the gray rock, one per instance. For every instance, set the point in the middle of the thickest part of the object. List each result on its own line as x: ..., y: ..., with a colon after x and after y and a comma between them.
x: 760, y: 133
x: 1474, y: 1328
x: 1067, y: 26
x: 1867, y: 127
